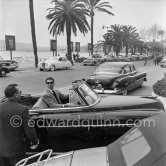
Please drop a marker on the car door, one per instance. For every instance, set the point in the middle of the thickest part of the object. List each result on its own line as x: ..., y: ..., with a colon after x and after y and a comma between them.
x: 66, y: 63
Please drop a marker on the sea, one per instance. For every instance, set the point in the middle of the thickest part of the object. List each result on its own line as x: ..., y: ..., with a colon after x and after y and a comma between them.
x: 22, y: 56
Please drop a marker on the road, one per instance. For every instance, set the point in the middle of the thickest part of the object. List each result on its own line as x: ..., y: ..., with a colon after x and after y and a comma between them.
x: 31, y: 81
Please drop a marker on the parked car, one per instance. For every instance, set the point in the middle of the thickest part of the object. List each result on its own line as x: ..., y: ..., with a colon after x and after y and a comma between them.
x: 4, y: 70
x: 99, y: 57
x: 143, y: 145
x: 118, y: 59
x: 54, y: 63
x: 95, y: 59
x: 91, y: 61
x: 163, y: 62
x: 11, y: 64
x: 116, y: 78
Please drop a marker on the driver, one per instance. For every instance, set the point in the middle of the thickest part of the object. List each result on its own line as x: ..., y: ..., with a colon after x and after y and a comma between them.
x: 52, y: 97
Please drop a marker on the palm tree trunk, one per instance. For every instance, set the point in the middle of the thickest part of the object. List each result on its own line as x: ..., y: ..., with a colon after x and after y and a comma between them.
x: 32, y: 19
x: 126, y: 49
x: 68, y: 32
x: 92, y: 21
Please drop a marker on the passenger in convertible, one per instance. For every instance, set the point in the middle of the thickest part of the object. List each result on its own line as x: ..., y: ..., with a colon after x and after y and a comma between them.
x: 51, y: 98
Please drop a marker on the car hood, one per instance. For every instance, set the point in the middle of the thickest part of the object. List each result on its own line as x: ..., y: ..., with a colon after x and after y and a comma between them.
x: 88, y: 157
x: 118, y: 102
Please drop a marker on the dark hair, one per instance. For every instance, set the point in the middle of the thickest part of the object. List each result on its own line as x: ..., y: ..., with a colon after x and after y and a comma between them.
x: 49, y: 78
x: 11, y: 90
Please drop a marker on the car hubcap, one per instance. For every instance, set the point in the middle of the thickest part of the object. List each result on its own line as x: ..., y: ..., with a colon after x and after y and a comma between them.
x: 125, y: 93
x: 52, y: 68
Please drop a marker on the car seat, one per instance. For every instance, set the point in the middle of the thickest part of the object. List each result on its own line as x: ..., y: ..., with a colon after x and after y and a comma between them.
x: 40, y: 104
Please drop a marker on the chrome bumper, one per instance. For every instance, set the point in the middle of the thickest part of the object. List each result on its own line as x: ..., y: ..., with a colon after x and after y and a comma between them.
x: 106, y: 91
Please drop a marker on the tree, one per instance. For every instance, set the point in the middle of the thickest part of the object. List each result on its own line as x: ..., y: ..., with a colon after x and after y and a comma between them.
x: 161, y: 33
x: 114, y: 38
x: 69, y: 15
x: 98, y: 5
x: 32, y: 19
x: 129, y: 32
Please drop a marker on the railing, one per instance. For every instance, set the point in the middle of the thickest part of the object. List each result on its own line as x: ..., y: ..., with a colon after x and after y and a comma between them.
x: 24, y: 161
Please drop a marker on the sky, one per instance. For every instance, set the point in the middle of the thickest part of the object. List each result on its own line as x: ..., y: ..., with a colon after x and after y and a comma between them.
x: 15, y: 19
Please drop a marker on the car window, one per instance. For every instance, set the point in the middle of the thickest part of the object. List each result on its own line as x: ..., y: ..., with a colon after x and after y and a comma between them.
x: 132, y: 68
x: 75, y: 99
x: 134, y: 147
x: 60, y: 59
x: 126, y: 69
x: 89, y: 95
x: 64, y: 59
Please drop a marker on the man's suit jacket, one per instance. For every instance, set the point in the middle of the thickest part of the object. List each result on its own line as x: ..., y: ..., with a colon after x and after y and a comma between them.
x: 49, y: 98
x: 13, y: 139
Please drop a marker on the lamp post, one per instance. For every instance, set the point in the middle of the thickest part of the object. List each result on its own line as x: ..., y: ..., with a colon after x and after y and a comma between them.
x: 106, y: 40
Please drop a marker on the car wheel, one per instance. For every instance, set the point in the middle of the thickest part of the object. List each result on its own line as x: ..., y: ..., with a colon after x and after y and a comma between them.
x: 41, y: 69
x: 141, y: 86
x: 161, y: 65
x: 125, y: 93
x: 52, y: 68
x: 84, y: 64
x: 3, y: 73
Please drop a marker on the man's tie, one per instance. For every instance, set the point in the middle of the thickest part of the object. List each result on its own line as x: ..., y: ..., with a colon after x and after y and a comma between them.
x: 57, y: 99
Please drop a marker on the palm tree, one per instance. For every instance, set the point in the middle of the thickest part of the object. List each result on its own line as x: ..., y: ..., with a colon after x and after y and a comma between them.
x: 114, y: 38
x: 98, y: 5
x: 129, y: 32
x: 32, y: 19
x: 69, y: 14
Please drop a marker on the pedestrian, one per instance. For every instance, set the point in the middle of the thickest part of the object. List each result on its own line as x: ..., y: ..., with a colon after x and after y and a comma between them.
x: 145, y: 62
x: 52, y: 97
x: 15, y: 131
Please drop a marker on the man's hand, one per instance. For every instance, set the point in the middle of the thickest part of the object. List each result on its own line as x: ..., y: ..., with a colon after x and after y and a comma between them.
x: 35, y: 146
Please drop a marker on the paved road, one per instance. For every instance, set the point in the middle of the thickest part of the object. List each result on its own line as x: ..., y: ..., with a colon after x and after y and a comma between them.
x: 31, y: 80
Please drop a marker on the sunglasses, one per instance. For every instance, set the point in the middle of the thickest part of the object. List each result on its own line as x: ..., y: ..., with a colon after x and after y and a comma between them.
x: 50, y: 82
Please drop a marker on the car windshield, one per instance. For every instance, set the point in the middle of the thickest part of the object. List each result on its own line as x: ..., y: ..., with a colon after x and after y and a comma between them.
x: 53, y: 58
x: 108, y: 69
x: 89, y: 95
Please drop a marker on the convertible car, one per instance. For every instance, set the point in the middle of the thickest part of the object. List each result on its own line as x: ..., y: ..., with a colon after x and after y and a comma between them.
x: 143, y: 145
x: 116, y: 78
x: 54, y: 63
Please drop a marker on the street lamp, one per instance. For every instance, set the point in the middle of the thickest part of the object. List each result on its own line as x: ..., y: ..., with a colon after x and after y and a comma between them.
x: 106, y: 36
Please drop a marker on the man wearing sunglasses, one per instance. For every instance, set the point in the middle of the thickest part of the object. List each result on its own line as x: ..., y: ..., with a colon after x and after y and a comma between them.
x: 52, y: 97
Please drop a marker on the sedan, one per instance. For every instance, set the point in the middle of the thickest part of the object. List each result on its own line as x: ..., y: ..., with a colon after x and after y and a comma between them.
x: 143, y: 145
x: 163, y: 62
x: 4, y: 70
x: 11, y: 64
x: 116, y: 78
x: 55, y: 63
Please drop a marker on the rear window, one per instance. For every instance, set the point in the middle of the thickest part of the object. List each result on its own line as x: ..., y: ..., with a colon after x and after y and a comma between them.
x: 134, y: 147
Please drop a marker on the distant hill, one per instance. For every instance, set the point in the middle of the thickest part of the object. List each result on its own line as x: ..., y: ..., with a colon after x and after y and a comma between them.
x: 29, y: 47
x: 22, y: 46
